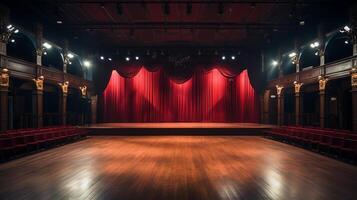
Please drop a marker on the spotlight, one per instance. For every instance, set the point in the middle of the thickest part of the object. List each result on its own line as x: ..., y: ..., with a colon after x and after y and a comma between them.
x: 346, y: 41
x: 69, y: 55
x: 59, y: 22
x: 70, y: 63
x: 316, y: 53
x: 110, y: 59
x: 233, y: 57
x: 127, y: 59
x: 136, y: 57
x: 16, y: 31
x: 347, y: 28
x: 102, y: 57
x: 302, y: 23
x: 9, y: 26
x: 13, y: 40
x: 45, y: 53
x: 223, y: 57
x: 314, y: 44
x: 47, y: 45
x: 292, y: 54
x: 87, y: 63
x: 274, y: 63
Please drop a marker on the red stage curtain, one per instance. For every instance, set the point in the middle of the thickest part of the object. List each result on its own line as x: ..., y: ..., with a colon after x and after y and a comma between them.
x: 151, y: 96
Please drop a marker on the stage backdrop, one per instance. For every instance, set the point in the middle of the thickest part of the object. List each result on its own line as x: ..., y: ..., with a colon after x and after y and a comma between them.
x: 208, y: 95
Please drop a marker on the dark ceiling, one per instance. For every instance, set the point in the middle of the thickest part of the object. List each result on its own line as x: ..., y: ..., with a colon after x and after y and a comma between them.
x: 109, y: 25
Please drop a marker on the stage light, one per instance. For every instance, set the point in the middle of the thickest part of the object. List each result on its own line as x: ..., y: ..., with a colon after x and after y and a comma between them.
x: 347, y: 28
x: 127, y: 59
x: 233, y: 57
x: 45, y: 53
x: 274, y: 63
x: 136, y: 57
x: 223, y: 57
x: 13, y: 40
x: 16, y: 31
x: 69, y: 55
x: 346, y: 41
x: 292, y: 54
x: 9, y: 26
x: 102, y: 57
x: 70, y: 63
x: 302, y: 23
x: 59, y: 22
x: 47, y: 45
x: 316, y: 53
x: 87, y: 63
x: 110, y: 59
x: 314, y: 44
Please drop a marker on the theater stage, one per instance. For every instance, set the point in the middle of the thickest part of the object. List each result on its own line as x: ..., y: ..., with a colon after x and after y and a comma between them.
x: 179, y: 128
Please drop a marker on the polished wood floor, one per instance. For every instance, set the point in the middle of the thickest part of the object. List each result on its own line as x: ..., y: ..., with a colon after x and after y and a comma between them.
x: 167, y: 125
x: 177, y: 167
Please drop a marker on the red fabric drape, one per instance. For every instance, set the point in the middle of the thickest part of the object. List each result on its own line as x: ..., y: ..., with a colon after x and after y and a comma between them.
x: 153, y: 97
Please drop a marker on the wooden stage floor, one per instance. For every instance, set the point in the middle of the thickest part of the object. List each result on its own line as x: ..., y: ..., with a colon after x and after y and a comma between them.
x: 178, y: 128
x: 177, y: 167
x: 181, y: 125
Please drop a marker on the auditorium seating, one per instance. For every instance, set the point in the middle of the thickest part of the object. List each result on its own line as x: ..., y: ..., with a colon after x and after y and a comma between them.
x: 18, y: 142
x: 338, y: 143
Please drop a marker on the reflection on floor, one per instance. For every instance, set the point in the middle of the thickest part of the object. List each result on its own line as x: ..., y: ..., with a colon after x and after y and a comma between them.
x: 177, y: 167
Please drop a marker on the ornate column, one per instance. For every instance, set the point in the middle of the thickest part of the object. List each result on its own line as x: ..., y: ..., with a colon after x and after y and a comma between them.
x: 40, y: 49
x: 63, y: 102
x: 84, y: 102
x: 94, y: 100
x: 4, y: 90
x: 5, y: 32
x: 265, y: 108
x: 354, y: 95
x: 37, y: 102
x: 66, y: 59
x: 297, y: 87
x: 322, y: 86
x: 279, y: 92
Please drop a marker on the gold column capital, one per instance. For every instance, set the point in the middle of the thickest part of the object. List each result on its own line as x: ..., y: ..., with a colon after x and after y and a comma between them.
x: 64, y: 87
x: 322, y: 83
x: 297, y: 86
x: 4, y: 78
x: 39, y: 82
x: 83, y: 90
x: 354, y: 77
x: 279, y: 89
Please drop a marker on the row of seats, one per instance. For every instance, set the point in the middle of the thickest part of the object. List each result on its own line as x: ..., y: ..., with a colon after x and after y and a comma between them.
x: 14, y: 143
x: 340, y: 143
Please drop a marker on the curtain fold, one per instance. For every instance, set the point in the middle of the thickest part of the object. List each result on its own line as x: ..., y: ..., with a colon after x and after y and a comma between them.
x: 206, y: 95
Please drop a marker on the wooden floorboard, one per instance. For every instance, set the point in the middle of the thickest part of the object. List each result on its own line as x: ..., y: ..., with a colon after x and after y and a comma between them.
x: 177, y: 167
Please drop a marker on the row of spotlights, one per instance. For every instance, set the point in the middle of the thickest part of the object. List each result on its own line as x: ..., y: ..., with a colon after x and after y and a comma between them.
x: 103, y: 58
x: 126, y: 58
x: 69, y: 55
x: 232, y: 57
x: 47, y: 45
x: 345, y: 29
x: 292, y: 54
x: 11, y: 28
x: 314, y: 44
